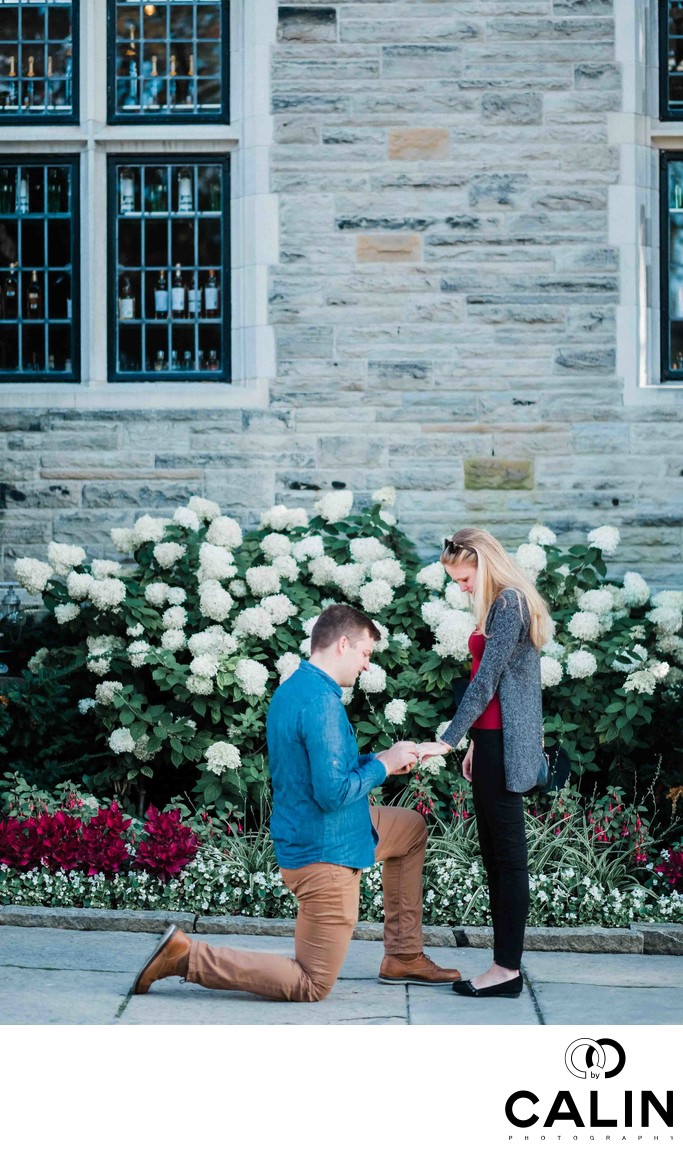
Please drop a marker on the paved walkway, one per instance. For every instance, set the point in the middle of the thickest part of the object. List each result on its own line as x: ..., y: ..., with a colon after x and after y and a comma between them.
x: 71, y: 977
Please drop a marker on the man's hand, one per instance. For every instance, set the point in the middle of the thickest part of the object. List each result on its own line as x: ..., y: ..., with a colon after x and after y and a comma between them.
x: 428, y: 750
x: 400, y: 758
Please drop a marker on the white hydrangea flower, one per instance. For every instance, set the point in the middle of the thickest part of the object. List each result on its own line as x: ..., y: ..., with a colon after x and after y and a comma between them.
x: 174, y: 617
x: 312, y: 547
x: 107, y: 594
x: 542, y: 535
x: 375, y: 596
x: 78, y: 584
x: 215, y: 563
x: 141, y: 749
x: 135, y: 631
x: 440, y: 730
x: 176, y: 595
x: 275, y: 545
x: 237, y: 588
x: 323, y: 571
x: 383, y: 641
x: 396, y: 711
x: 348, y: 578
x: 385, y: 495
x: 287, y: 664
x: 584, y: 625
x: 65, y: 612
x: 581, y: 664
x: 214, y: 601
x: 606, y: 539
x: 286, y: 567
x: 643, y: 682
x: 225, y: 532
x: 187, y: 519
x: 666, y: 619
x: 63, y: 557
x: 199, y: 684
x: 433, y: 612
x: 305, y: 648
x: 334, y: 505
x: 433, y: 576
x: 174, y: 639
x: 636, y: 591
x: 346, y: 695
x: 104, y: 568
x: 204, y: 508
x: 123, y: 539
x: 388, y: 518
x: 263, y: 581
x: 254, y: 621
x: 221, y: 757
x: 373, y: 680
x: 104, y: 692
x: 673, y: 600
x: 452, y: 633
x: 551, y: 671
x: 404, y: 641
x: 212, y: 641
x: 660, y: 670
x: 252, y: 677
x: 390, y: 570
x: 32, y: 574
x: 309, y: 624
x: 369, y: 550
x: 204, y: 665
x: 103, y: 644
x: 99, y: 666
x: 166, y: 554
x: 137, y: 652
x: 148, y: 529
x: 157, y: 594
x: 86, y: 705
x: 280, y: 608
x: 434, y: 765
x: 281, y: 518
x: 121, y: 741
x: 36, y: 661
x: 531, y: 558
x: 553, y: 649
x: 671, y: 645
x: 456, y: 598
x: 599, y: 601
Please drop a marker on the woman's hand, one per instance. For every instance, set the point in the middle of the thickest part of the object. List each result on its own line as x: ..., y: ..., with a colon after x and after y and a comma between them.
x: 467, y: 763
x: 428, y: 750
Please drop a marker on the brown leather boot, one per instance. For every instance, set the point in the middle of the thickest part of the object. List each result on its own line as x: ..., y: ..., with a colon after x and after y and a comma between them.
x: 417, y: 971
x: 169, y: 958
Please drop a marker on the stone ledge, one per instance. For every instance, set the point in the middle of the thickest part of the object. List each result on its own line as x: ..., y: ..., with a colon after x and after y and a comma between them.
x: 639, y: 938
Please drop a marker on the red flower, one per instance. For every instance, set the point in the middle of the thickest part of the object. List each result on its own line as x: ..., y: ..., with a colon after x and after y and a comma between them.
x: 59, y: 841
x: 168, y: 846
x: 103, y: 847
x: 18, y: 843
x: 671, y: 869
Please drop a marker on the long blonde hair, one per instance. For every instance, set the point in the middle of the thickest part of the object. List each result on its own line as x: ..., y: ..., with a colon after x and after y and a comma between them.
x: 496, y: 570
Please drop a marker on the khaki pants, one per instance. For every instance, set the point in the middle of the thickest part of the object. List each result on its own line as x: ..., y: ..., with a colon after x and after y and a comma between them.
x: 328, y: 912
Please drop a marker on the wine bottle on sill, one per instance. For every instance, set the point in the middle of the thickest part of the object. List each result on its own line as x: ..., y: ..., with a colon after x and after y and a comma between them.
x: 126, y: 301
x: 211, y: 303
x: 10, y: 295
x: 178, y: 294
x: 161, y: 296
x: 34, y: 298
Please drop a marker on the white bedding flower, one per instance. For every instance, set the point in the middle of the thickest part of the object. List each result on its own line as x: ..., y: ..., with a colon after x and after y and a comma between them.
x: 187, y: 519
x: 433, y: 612
x: 312, y: 547
x: 252, y: 677
x: 254, y: 621
x: 275, y: 544
x: 373, y: 680
x: 542, y: 535
x: 673, y: 600
x: 551, y: 671
x: 584, y: 625
x: 531, y: 558
x: 199, y: 684
x: 32, y: 574
x: 221, y: 757
x: 581, y: 664
x: 263, y: 581
x: 121, y: 741
x: 433, y: 576
x: 157, y: 594
x: 174, y: 617
x: 636, y: 591
x: 369, y: 550
x: 599, y: 601
x: 606, y: 539
x: 376, y: 595
x: 287, y: 664
x: 385, y: 495
x: 323, y: 571
x: 456, y: 598
x: 65, y: 612
x: 280, y: 608
x: 123, y: 539
x: 204, y: 508
x: 63, y: 557
x: 212, y: 641
x: 390, y: 570
x: 666, y: 619
x: 148, y: 529
x: 214, y: 601
x: 334, y: 505
x: 225, y: 532
x: 281, y: 518
x: 137, y: 652
x: 106, y: 594
x: 452, y: 633
x: 104, y: 692
x: 215, y: 563
x: 286, y: 567
x: 166, y: 554
x: 174, y: 639
x: 349, y: 577
x: 396, y: 711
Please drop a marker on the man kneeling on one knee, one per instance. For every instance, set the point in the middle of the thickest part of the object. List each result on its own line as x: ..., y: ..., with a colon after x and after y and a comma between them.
x: 325, y: 832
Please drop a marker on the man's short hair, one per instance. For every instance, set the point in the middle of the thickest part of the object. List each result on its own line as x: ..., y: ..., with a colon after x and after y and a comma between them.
x: 338, y: 620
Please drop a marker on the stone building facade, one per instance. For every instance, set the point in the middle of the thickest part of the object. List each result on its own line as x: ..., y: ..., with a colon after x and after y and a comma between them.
x: 445, y: 249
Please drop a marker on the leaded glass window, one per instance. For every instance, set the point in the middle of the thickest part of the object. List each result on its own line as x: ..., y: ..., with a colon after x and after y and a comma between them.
x: 38, y: 68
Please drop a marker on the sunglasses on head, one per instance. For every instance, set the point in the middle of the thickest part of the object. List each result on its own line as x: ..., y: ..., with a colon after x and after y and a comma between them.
x: 458, y: 548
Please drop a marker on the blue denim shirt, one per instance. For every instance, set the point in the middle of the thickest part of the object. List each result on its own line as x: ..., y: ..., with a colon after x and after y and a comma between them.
x: 321, y: 811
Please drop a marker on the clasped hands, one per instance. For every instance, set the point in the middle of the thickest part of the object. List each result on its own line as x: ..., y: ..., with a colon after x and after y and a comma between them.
x: 403, y: 756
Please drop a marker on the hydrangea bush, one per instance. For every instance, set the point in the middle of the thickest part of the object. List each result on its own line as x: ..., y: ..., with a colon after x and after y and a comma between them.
x: 184, y: 640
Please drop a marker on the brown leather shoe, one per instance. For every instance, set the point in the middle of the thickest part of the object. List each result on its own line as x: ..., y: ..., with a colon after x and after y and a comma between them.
x: 419, y: 971
x: 167, y: 959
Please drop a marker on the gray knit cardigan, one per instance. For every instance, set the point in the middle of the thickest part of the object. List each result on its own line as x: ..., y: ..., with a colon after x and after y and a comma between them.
x: 510, y: 665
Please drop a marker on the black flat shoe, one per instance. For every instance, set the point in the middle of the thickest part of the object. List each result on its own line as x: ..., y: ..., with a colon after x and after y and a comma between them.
x: 510, y: 989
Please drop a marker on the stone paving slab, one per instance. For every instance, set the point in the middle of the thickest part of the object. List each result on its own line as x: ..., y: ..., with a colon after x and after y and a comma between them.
x: 441, y: 1007
x: 67, y: 998
x: 72, y: 950
x: 659, y: 971
x: 583, y: 1004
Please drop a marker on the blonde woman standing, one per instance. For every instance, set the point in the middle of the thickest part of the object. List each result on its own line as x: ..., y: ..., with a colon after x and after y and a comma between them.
x: 502, y: 709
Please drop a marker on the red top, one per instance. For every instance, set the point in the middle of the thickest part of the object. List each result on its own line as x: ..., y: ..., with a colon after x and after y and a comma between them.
x: 491, y: 719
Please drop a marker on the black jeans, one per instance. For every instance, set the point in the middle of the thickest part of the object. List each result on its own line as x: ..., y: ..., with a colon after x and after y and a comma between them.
x: 500, y: 826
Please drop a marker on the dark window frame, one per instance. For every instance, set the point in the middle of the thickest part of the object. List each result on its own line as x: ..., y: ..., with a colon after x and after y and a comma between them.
x: 19, y: 375
x: 115, y: 116
x: 50, y: 119
x: 668, y: 374
x: 137, y: 160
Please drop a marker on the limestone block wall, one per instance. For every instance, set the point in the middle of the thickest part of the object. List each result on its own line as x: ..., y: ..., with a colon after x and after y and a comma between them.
x: 444, y: 302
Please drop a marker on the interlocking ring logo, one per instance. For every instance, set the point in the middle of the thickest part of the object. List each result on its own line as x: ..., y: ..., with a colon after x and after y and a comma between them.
x: 595, y: 1051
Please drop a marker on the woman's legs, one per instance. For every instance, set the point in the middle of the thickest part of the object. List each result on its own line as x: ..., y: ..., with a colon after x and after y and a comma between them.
x: 500, y: 825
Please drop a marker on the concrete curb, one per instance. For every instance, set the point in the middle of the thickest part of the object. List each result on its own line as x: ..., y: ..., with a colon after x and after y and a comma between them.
x: 638, y: 938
